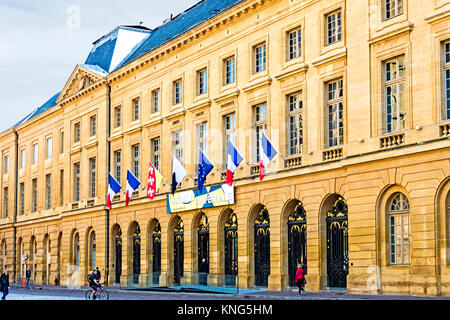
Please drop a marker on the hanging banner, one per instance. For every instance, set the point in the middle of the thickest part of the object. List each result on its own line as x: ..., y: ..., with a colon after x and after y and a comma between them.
x: 214, y: 196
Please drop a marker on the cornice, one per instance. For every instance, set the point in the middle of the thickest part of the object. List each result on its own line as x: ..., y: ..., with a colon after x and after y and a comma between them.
x: 199, y: 104
x: 438, y: 16
x: 408, y: 27
x: 260, y: 82
x: 153, y: 121
x: 292, y: 71
x: 331, y: 56
x: 227, y: 95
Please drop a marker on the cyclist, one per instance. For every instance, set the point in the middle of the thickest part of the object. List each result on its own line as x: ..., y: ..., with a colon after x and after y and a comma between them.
x: 94, y: 283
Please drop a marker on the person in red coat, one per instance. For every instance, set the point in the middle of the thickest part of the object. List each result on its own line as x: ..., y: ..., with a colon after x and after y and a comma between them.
x: 300, y: 279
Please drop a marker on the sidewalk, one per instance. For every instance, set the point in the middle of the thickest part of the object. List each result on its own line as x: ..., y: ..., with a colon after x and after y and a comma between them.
x: 289, y: 294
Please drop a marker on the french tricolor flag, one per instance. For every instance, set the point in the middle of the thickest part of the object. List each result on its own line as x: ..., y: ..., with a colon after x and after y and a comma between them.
x: 113, y: 188
x: 268, y: 152
x: 132, y: 184
x: 233, y: 161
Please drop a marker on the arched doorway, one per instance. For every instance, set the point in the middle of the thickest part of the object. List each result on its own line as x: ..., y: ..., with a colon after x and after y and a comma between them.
x: 337, y: 244
x: 156, y: 254
x: 262, y: 248
x: 203, y: 248
x: 92, y: 251
x: 46, y: 260
x: 118, y: 254
x: 296, y: 241
x: 231, y: 249
x: 3, y: 256
x: 178, y: 252
x: 136, y: 254
x: 59, y: 258
x: 33, y: 257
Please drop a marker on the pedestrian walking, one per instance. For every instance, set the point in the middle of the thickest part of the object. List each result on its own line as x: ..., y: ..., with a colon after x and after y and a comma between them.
x: 4, y: 284
x: 28, y: 276
x: 300, y: 279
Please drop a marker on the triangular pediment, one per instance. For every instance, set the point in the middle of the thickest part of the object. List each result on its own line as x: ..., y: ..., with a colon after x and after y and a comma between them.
x: 81, y: 79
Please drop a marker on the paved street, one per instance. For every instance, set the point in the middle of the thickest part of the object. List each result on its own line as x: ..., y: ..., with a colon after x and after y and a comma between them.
x: 60, y: 293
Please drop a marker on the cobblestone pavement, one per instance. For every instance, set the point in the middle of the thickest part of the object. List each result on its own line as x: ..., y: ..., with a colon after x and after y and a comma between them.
x: 63, y: 293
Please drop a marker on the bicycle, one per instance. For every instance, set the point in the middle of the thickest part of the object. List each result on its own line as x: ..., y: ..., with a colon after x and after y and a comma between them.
x: 100, y: 294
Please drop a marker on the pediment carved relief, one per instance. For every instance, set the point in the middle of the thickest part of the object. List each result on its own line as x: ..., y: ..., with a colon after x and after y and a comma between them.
x: 80, y: 81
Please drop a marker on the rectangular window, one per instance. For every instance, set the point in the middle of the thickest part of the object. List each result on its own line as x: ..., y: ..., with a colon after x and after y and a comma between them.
x: 92, y: 177
x: 394, y: 91
x: 201, y: 140
x: 6, y: 164
x: 399, y: 238
x: 446, y: 111
x: 118, y: 116
x: 229, y: 133
x: 49, y: 146
x: 5, y: 202
x: 76, y: 184
x: 136, y: 109
x: 22, y: 198
x: 156, y: 98
x: 61, y: 187
x: 22, y: 158
x: 230, y: 70
x: 34, y: 195
x: 259, y: 52
x: 178, y: 145
x: 335, y: 113
x: 260, y: 113
x: 61, y: 142
x: 93, y: 126
x: 156, y: 157
x: 136, y: 158
x: 294, y: 38
x: 392, y: 8
x: 178, y: 91
x: 76, y: 132
x: 295, y: 123
x: 202, y: 80
x: 48, y: 191
x: 35, y: 153
x: 118, y: 164
x: 334, y: 27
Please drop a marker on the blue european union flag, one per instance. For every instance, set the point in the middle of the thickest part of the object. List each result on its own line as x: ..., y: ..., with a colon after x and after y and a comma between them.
x: 204, y: 168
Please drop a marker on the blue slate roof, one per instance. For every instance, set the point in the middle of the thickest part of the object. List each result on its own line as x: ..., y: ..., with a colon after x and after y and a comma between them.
x: 180, y: 24
x: 46, y: 106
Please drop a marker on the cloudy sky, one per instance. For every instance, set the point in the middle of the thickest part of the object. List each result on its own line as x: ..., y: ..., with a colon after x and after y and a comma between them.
x: 41, y: 42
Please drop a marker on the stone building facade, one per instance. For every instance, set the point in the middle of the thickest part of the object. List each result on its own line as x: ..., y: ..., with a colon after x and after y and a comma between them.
x: 354, y: 95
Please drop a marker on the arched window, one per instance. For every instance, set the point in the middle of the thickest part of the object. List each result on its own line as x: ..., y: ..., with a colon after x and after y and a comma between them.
x: 398, y: 223
x: 93, y: 250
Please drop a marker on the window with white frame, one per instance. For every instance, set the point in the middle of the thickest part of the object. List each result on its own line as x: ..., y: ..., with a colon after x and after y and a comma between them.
x: 136, y: 109
x: 229, y: 133
x: 156, y: 152
x: 178, y: 91
x: 49, y: 146
x: 76, y: 132
x: 76, y: 184
x: 335, y: 113
x: 34, y: 190
x: 48, y: 191
x: 398, y: 222
x: 61, y: 142
x: 230, y: 70
x: 61, y: 187
x: 35, y: 153
x: 446, y: 106
x: 93, y: 126
x: 22, y: 158
x: 392, y: 8
x: 177, y: 139
x: 259, y: 53
x: 22, y: 198
x: 136, y: 156
x: 6, y: 164
x: 201, y: 134
x: 333, y: 29
x: 92, y: 177
x: 202, y: 81
x: 118, y: 116
x: 5, y: 202
x: 117, y: 164
x: 156, y: 100
x: 295, y: 123
x: 260, y: 124
x: 294, y: 44
x: 394, y: 94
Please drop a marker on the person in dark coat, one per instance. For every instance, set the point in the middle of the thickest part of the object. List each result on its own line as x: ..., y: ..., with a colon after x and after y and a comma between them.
x: 4, y: 283
x: 203, y: 270
x: 300, y: 279
x: 28, y: 276
x: 99, y: 276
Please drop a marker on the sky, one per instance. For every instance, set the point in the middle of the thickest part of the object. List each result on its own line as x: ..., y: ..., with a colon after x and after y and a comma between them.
x: 41, y: 42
